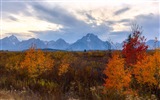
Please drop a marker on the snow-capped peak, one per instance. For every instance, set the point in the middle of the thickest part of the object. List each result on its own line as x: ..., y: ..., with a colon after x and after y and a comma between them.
x: 88, y: 39
x: 13, y: 39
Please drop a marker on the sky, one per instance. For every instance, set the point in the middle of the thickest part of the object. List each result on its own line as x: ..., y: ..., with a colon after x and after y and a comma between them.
x: 110, y: 20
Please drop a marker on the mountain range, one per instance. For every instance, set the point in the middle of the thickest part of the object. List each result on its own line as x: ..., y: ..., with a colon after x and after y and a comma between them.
x: 88, y: 42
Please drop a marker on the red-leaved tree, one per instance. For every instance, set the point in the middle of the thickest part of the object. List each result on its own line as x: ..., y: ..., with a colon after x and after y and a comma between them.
x: 135, y: 47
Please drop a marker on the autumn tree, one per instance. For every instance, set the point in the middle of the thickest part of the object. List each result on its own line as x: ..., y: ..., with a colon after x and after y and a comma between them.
x: 36, y: 62
x: 156, y: 59
x: 134, y: 47
x: 13, y: 62
x: 63, y: 68
x: 144, y: 71
x: 118, y: 77
x: 65, y: 63
x: 147, y: 73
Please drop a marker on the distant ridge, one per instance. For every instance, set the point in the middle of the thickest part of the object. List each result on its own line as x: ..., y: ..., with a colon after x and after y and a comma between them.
x: 88, y: 42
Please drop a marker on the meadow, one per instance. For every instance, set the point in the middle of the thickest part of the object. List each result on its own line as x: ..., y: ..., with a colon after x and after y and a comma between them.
x: 132, y: 73
x: 71, y: 73
x: 78, y: 75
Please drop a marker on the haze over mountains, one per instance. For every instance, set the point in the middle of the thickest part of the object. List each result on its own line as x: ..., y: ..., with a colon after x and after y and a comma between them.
x: 88, y: 42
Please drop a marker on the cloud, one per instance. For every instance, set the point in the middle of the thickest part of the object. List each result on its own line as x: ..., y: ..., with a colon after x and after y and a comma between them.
x: 73, y: 27
x: 89, y: 16
x: 125, y: 21
x: 18, y: 17
x: 150, y: 24
x: 118, y: 36
x: 12, y: 18
x: 56, y: 15
x: 72, y: 34
x: 121, y: 11
x: 150, y: 27
x: 15, y: 7
x: 53, y: 20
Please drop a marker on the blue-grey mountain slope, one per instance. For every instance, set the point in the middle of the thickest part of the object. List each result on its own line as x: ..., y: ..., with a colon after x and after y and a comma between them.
x: 26, y: 44
x: 9, y: 43
x: 152, y: 44
x: 89, y: 42
x: 60, y: 44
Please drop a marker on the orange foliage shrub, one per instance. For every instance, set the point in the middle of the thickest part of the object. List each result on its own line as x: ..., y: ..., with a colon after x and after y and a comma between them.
x: 35, y: 62
x: 147, y: 71
x: 117, y: 76
x: 13, y: 63
x: 63, y: 69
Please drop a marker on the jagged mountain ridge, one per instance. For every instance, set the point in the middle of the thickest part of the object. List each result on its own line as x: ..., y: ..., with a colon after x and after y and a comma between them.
x: 88, y: 42
x: 28, y: 43
x: 152, y: 44
x: 9, y: 43
x: 60, y: 44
